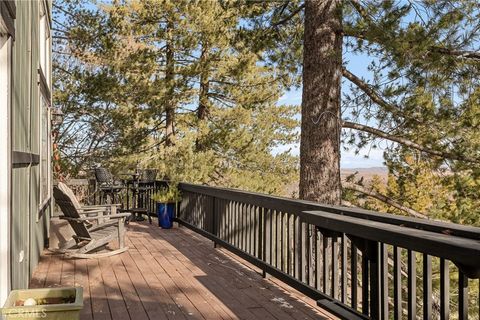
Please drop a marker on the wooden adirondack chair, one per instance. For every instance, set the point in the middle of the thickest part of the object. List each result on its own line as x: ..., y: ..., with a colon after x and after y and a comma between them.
x: 90, y: 238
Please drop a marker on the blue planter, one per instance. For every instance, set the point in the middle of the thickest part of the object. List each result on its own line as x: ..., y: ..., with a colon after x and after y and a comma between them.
x: 165, y: 213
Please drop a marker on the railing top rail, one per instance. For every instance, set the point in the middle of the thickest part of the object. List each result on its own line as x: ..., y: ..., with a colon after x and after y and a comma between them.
x: 463, y: 251
x: 298, y: 206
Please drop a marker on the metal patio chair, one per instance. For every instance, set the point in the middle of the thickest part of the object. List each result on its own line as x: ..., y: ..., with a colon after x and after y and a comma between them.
x: 108, y: 185
x: 143, y: 190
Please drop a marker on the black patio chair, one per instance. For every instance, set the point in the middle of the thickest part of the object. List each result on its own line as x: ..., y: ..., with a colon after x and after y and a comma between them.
x: 143, y: 191
x: 108, y: 185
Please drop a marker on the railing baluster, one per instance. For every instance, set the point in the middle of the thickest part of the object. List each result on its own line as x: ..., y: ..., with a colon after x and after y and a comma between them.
x: 308, y: 254
x: 412, y: 286
x: 311, y: 248
x: 334, y: 267
x: 214, y: 217
x: 248, y: 227
x: 444, y: 290
x: 253, y: 237
x: 282, y: 241
x: 247, y: 214
x: 375, y: 282
x: 384, y: 278
x: 219, y: 208
x: 462, y: 296
x: 317, y: 257
x: 288, y: 245
x: 271, y: 248
x: 266, y: 236
x: 248, y: 235
x: 397, y: 283
x: 344, y: 268
x: 325, y: 264
x: 239, y: 226
x: 298, y: 247
x: 231, y: 205
x: 353, y: 275
x: 232, y: 223
x: 253, y: 241
x: 243, y: 225
x: 279, y: 243
x: 427, y: 286
x: 303, y: 251
x: 365, y: 283
x: 276, y: 248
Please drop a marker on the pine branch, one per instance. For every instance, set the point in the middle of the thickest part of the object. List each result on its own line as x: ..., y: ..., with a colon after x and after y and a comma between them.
x: 369, y: 91
x: 383, y: 198
x: 406, y: 142
x: 457, y: 53
x: 290, y: 16
x: 467, y: 54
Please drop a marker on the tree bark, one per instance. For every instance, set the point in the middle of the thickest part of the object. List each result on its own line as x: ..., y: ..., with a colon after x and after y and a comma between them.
x: 321, y: 125
x: 169, y: 77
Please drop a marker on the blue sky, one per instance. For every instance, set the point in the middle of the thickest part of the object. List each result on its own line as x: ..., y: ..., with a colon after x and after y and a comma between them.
x: 367, y: 157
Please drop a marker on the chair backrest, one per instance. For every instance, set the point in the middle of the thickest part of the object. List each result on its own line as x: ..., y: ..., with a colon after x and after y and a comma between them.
x: 103, y: 176
x: 148, y: 175
x: 69, y: 205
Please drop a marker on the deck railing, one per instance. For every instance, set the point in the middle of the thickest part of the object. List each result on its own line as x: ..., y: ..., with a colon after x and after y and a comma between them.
x: 356, y: 263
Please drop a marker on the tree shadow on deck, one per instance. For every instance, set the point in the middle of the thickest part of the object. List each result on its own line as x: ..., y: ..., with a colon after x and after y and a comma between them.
x: 172, y: 274
x: 216, y: 275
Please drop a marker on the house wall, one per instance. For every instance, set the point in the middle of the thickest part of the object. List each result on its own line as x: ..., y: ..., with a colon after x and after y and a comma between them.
x: 5, y: 164
x: 28, y: 211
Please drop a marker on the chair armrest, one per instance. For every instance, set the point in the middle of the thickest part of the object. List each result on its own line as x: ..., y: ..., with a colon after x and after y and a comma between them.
x: 119, y: 215
x: 83, y: 219
x: 76, y: 219
x: 101, y: 206
x: 92, y: 211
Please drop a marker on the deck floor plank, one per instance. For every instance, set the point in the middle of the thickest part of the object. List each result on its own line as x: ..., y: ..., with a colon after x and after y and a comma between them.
x: 173, y: 274
x: 208, y: 306
x: 118, y: 309
x: 100, y: 307
x: 249, y: 283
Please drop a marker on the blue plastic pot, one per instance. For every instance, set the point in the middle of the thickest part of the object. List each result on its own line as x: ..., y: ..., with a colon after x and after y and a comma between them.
x: 165, y: 213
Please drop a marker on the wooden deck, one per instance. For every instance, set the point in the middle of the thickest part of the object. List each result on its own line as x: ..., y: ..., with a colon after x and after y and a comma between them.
x: 173, y: 274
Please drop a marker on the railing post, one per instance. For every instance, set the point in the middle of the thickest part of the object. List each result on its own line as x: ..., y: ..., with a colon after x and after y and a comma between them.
x: 370, y: 275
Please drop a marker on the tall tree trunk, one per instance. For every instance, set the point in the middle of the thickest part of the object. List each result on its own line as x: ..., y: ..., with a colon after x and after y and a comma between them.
x: 169, y: 77
x: 322, y: 75
x: 202, y: 110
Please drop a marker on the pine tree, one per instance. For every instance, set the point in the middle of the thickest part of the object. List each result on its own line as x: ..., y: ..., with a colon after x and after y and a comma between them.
x: 423, y: 92
x: 181, y: 91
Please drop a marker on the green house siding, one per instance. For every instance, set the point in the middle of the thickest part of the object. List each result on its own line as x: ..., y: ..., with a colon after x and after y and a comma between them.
x: 28, y: 227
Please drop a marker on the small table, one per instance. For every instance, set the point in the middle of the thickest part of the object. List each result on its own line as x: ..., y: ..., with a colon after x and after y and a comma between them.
x: 138, y: 198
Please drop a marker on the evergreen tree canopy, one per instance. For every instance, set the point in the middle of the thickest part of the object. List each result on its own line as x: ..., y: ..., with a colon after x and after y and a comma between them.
x: 174, y: 85
x: 122, y: 68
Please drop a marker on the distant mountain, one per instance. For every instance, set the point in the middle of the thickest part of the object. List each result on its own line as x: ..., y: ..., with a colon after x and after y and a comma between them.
x: 366, y: 173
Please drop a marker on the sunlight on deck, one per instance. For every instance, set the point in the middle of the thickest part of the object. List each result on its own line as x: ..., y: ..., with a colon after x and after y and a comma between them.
x: 173, y: 274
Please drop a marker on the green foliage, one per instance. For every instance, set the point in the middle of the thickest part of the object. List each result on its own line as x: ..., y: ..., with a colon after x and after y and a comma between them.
x: 115, y: 93
x: 169, y: 194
